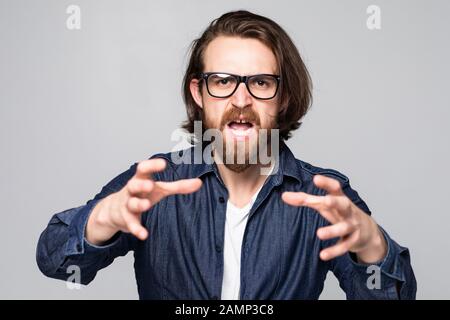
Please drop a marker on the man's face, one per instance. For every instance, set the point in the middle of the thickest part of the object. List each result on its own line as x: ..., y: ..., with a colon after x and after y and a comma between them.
x: 240, y: 116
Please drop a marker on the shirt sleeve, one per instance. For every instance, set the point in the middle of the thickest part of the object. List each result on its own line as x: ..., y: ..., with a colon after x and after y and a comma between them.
x: 390, y: 279
x: 62, y: 245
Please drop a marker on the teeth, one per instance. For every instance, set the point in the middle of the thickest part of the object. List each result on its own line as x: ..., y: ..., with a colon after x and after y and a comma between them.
x: 240, y: 121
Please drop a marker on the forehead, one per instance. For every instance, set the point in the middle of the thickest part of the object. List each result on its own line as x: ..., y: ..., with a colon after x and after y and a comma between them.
x: 240, y: 56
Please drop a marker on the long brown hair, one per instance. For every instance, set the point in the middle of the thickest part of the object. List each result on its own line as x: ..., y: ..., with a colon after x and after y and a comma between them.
x: 295, y: 86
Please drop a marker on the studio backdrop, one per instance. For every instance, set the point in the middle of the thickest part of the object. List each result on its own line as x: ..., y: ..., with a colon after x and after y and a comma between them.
x: 88, y: 88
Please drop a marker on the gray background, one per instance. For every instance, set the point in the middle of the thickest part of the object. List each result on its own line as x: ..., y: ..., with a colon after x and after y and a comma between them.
x: 79, y: 107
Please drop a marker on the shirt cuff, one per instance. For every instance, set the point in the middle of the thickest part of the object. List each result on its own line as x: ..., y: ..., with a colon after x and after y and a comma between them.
x: 77, y: 243
x: 390, y: 266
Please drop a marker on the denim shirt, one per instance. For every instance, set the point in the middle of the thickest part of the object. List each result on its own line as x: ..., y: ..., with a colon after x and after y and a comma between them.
x: 182, y: 258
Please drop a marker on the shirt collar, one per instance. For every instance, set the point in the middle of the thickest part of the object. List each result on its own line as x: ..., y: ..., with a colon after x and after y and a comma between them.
x: 203, y: 163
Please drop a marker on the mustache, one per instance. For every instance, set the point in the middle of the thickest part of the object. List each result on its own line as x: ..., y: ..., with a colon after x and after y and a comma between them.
x: 233, y: 114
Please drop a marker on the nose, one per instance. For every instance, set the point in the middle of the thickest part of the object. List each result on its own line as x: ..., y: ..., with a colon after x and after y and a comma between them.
x: 241, y: 98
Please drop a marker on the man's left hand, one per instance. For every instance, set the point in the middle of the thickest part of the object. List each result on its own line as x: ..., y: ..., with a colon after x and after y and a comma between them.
x: 358, y: 232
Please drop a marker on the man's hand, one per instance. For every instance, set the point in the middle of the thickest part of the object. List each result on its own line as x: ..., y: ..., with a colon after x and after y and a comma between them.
x: 121, y: 211
x: 358, y: 232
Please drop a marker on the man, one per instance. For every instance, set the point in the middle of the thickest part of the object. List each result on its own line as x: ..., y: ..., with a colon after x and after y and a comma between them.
x: 223, y: 229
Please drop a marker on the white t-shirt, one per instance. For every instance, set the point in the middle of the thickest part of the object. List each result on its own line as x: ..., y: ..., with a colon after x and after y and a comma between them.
x: 235, y: 222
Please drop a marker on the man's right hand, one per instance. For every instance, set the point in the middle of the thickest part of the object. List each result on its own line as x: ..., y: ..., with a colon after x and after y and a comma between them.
x: 121, y: 211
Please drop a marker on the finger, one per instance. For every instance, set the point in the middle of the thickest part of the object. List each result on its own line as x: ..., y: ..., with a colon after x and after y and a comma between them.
x: 342, y: 247
x: 340, y: 229
x: 314, y: 202
x: 301, y: 199
x: 147, y: 167
x: 183, y: 186
x: 329, y: 215
x: 339, y: 206
x: 140, y: 187
x: 138, y: 205
x: 332, y: 186
x: 135, y: 227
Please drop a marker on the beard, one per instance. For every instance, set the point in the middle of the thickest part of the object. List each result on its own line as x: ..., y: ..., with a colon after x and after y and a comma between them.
x: 239, y: 155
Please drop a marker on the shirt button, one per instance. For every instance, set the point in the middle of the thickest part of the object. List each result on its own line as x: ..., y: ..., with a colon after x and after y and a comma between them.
x: 79, y: 247
x: 221, y: 199
x: 218, y: 248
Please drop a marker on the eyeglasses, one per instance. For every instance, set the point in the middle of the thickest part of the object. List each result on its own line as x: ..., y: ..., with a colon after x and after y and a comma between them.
x: 223, y: 85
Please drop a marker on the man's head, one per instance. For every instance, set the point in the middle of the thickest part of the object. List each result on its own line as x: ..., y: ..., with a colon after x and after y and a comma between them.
x: 219, y: 89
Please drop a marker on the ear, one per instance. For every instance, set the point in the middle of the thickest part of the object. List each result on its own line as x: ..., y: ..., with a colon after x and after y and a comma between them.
x: 194, y: 86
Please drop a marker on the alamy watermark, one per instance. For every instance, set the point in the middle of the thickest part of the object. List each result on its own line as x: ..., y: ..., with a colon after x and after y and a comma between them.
x: 374, y: 280
x: 373, y: 21
x: 74, y: 280
x: 73, y: 21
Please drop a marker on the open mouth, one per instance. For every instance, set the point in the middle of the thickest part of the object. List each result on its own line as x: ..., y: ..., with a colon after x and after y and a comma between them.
x: 240, y: 128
